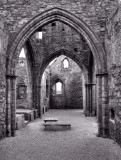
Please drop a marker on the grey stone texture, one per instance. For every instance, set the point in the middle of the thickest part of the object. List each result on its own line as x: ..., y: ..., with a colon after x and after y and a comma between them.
x: 71, y: 79
x: 113, y: 48
x: 17, y: 13
x: 3, y: 48
x: 83, y: 28
x: 23, y: 80
x: 56, y: 39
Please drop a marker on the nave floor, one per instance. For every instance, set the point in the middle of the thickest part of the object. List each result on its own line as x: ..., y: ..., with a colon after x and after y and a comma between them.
x: 79, y: 143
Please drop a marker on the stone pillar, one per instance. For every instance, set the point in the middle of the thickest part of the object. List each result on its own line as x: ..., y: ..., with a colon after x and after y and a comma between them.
x: 37, y: 96
x: 13, y: 105
x: 8, y: 106
x: 105, y: 106
x: 34, y: 95
x: 89, y: 100
x: 39, y: 101
x: 37, y: 89
x: 99, y: 105
x: 94, y: 100
x: 102, y: 105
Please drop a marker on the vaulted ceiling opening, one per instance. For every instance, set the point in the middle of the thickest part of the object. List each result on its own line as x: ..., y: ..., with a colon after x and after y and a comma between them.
x: 64, y: 85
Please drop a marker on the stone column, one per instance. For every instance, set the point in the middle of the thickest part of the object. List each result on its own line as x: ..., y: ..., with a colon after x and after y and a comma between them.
x: 8, y: 106
x: 105, y: 106
x: 89, y: 99
x: 39, y: 101
x: 37, y: 89
x: 13, y: 105
x: 94, y: 100
x: 99, y: 104
x: 102, y: 105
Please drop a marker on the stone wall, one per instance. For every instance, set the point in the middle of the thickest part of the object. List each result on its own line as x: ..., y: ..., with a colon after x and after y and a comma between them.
x: 23, y: 80
x: 23, y: 85
x: 71, y: 79
x: 113, y: 48
x: 18, y: 12
x: 3, y: 47
x: 56, y: 37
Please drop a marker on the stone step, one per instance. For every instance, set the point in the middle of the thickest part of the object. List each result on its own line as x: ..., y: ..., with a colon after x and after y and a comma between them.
x: 57, y: 126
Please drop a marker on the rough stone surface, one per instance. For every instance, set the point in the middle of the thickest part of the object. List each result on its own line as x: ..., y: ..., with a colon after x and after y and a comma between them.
x: 94, y: 13
x: 15, y: 14
x: 113, y: 46
x: 59, y: 37
x: 71, y: 79
x: 23, y: 85
x: 3, y: 48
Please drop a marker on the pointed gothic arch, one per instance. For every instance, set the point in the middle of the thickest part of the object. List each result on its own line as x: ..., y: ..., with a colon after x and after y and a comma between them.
x: 93, y: 41
x: 66, y: 17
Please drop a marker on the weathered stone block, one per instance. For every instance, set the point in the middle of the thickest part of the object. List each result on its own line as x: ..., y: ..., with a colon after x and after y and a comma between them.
x: 57, y: 126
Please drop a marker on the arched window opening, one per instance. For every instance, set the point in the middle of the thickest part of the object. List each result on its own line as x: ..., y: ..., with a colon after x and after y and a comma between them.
x: 22, y: 57
x: 58, y: 88
x: 39, y: 35
x: 65, y: 63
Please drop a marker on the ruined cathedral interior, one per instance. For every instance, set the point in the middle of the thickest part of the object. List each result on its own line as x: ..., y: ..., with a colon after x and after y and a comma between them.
x: 60, y: 79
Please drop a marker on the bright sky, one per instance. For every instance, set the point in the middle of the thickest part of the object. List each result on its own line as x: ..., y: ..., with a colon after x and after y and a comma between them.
x: 22, y: 53
x: 66, y: 64
x: 39, y: 35
x: 58, y: 87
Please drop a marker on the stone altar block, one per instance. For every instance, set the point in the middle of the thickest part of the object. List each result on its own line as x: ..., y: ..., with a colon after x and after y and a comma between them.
x: 57, y: 126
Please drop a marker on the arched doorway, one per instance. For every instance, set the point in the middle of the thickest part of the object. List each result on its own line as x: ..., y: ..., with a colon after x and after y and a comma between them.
x: 59, y: 77
x: 96, y: 49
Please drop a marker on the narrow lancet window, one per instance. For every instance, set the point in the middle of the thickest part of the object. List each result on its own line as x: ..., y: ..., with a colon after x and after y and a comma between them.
x: 58, y: 88
x: 39, y: 35
x: 65, y: 63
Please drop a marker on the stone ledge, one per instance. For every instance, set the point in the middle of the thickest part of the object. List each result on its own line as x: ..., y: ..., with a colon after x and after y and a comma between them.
x: 57, y: 126
x: 50, y: 120
x: 28, y: 114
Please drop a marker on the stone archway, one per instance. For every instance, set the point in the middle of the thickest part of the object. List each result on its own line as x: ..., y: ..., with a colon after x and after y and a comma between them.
x: 57, y: 54
x: 94, y: 43
x: 51, y: 57
x: 66, y: 17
